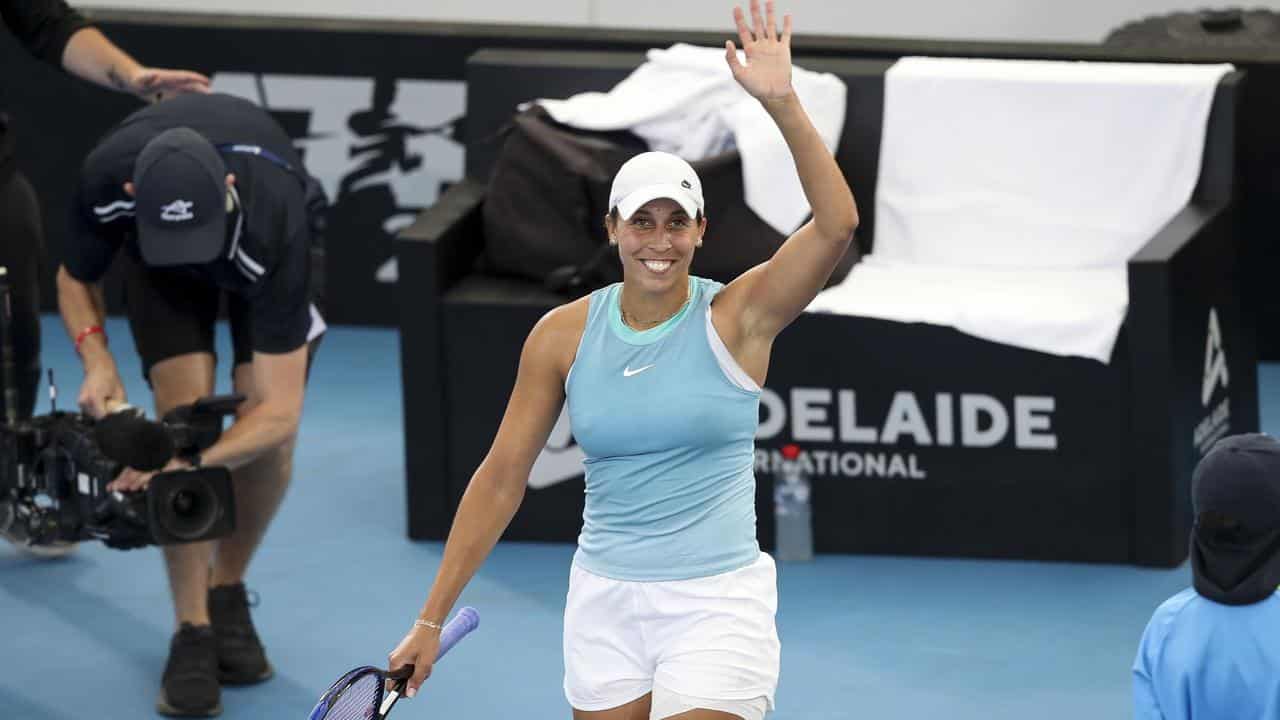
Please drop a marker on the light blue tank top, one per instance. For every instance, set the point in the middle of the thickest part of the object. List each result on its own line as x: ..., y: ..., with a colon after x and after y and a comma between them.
x: 669, y: 439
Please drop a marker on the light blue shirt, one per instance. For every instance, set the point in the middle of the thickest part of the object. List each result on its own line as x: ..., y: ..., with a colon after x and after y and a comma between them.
x: 1201, y: 660
x: 669, y: 441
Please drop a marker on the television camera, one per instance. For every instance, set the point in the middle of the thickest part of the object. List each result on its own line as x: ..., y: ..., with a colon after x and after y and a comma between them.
x: 54, y: 470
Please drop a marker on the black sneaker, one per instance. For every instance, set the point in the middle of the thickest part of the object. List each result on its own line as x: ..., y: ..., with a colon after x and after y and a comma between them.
x: 241, y: 659
x: 189, y: 687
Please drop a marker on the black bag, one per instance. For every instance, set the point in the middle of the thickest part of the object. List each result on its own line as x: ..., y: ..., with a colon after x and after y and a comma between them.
x: 546, y: 203
x: 548, y: 197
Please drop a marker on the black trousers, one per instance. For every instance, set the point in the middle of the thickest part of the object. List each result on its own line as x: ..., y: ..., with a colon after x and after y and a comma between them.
x: 21, y: 253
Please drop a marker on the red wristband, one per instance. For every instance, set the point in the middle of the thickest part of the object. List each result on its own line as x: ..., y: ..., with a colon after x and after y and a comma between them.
x: 91, y: 330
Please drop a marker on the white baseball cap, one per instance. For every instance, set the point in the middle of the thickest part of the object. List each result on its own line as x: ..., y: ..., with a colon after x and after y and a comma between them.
x: 653, y: 175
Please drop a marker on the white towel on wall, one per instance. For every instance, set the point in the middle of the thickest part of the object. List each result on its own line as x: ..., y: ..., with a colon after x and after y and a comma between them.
x: 684, y: 100
x: 1027, y: 182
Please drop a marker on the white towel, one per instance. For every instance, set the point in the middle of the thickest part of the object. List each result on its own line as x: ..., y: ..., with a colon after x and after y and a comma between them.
x: 1011, y: 194
x: 1062, y: 312
x: 684, y: 100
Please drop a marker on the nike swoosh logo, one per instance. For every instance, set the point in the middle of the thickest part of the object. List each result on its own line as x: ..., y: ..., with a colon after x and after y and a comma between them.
x: 628, y: 372
x: 561, y: 460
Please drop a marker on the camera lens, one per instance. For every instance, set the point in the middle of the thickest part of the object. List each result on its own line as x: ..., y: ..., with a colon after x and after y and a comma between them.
x: 188, y: 507
x: 185, y: 504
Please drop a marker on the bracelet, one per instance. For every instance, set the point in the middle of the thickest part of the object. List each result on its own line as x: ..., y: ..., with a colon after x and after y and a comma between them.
x: 85, y: 333
x: 428, y: 624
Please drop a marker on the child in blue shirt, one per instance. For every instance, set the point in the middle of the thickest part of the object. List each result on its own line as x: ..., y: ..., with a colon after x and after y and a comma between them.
x: 1212, y: 652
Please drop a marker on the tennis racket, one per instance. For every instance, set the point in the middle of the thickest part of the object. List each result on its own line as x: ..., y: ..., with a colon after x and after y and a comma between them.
x: 359, y: 694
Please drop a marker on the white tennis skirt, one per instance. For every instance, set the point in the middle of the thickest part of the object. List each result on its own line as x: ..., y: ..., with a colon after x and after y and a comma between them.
x: 711, y: 637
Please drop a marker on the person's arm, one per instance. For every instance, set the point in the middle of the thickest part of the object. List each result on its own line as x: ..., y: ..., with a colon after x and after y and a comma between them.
x: 100, y: 218
x: 498, y: 485
x: 280, y: 382
x: 55, y: 32
x: 91, y: 56
x: 771, y: 295
x: 83, y: 309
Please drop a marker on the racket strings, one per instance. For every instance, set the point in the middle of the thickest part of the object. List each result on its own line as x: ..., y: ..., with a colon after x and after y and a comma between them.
x: 359, y: 701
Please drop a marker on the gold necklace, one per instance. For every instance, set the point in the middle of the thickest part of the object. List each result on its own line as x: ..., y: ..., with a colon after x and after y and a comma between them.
x: 634, y: 323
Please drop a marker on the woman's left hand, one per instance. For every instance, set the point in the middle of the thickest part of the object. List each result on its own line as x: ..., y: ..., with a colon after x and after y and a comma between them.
x: 767, y: 74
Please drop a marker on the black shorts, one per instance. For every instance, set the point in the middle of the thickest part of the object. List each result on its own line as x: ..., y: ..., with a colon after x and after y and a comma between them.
x: 171, y: 314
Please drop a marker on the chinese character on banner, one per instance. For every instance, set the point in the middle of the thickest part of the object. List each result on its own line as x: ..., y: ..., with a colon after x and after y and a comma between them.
x: 384, y: 149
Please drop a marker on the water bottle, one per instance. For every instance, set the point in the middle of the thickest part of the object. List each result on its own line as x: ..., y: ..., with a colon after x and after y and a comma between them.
x: 793, y: 517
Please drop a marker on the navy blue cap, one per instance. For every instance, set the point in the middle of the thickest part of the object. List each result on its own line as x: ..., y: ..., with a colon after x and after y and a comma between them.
x: 1240, y: 478
x: 180, y: 183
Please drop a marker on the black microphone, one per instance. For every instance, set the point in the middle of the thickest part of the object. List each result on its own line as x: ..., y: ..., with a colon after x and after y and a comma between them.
x: 133, y: 441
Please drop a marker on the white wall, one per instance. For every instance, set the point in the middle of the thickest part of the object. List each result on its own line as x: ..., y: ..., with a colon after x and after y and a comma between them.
x: 1036, y: 20
x: 521, y: 12
x: 1044, y: 20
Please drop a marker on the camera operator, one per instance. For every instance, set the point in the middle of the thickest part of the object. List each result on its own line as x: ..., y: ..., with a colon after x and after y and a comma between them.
x: 55, y: 33
x: 208, y: 198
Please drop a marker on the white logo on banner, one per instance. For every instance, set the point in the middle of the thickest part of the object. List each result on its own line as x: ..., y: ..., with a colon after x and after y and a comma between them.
x: 1215, y: 360
x: 822, y: 415
x: 561, y: 459
x: 1217, y: 423
x: 361, y: 133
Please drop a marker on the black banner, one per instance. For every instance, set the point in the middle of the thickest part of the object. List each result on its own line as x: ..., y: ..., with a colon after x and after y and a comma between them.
x: 996, y: 452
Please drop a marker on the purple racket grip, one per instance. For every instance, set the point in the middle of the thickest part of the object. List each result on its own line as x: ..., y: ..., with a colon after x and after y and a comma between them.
x: 464, y: 622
